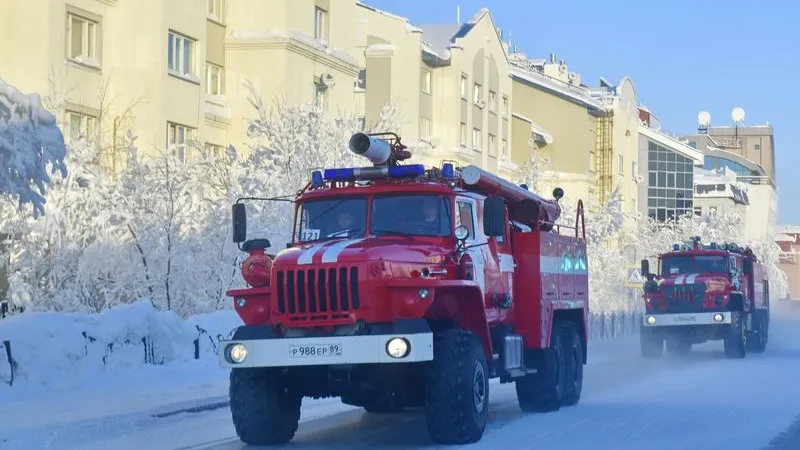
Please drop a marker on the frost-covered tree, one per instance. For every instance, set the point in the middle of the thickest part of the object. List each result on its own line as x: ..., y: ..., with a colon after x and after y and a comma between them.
x: 31, y: 148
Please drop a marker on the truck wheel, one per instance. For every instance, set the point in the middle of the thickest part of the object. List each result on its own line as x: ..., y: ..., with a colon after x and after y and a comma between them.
x: 652, y: 345
x: 735, y: 340
x: 263, y: 412
x: 678, y: 346
x: 542, y: 391
x: 457, y: 389
x: 757, y: 341
x: 573, y: 369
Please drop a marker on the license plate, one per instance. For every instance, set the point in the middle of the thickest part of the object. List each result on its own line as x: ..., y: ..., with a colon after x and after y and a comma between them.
x: 683, y: 319
x: 302, y: 351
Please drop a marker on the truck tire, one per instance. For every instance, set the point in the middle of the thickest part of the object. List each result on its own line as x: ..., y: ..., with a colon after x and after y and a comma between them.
x: 457, y: 389
x: 652, y: 345
x: 543, y: 391
x: 263, y: 412
x: 573, y: 369
x: 757, y: 340
x: 735, y: 340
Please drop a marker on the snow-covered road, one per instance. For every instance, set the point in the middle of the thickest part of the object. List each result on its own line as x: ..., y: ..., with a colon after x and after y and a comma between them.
x: 703, y: 401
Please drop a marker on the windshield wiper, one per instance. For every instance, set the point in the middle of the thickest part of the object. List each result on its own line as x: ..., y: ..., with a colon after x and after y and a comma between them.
x: 336, y: 233
x: 392, y: 232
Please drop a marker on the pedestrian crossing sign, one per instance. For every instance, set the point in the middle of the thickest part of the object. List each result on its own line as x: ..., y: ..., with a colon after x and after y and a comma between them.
x: 635, y: 278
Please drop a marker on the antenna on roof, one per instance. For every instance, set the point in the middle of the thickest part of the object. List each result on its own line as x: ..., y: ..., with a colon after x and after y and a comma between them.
x: 458, y: 14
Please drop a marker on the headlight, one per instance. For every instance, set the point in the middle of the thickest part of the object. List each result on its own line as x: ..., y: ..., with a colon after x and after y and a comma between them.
x: 423, y: 293
x: 237, y: 353
x: 397, y: 348
x: 241, y: 302
x: 718, y: 317
x: 651, y: 320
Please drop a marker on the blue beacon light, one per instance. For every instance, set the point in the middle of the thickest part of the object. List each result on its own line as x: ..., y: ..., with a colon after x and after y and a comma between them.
x: 348, y: 174
x: 448, y: 171
x: 317, y: 179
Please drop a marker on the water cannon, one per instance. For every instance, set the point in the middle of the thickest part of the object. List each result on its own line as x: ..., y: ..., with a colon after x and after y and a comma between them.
x: 380, y: 151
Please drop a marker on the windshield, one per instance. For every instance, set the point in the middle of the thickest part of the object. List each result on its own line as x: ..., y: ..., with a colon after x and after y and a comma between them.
x: 674, y: 265
x: 422, y: 215
x: 332, y: 218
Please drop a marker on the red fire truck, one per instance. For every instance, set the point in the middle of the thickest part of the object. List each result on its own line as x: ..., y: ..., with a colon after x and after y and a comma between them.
x: 406, y: 286
x: 703, y: 293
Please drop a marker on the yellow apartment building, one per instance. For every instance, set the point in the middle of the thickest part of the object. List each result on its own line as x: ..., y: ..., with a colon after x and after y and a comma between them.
x: 173, y: 70
x: 589, y: 135
x: 450, y: 81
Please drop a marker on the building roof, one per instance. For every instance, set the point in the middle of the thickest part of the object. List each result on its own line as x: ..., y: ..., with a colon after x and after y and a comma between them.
x: 577, y: 94
x: 438, y: 39
x: 671, y: 143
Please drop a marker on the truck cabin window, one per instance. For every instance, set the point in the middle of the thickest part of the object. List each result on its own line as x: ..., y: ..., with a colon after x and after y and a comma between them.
x: 419, y: 215
x: 332, y: 218
x: 675, y: 265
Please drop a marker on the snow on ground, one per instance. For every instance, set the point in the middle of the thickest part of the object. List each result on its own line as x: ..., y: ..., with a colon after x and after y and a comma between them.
x: 628, y: 403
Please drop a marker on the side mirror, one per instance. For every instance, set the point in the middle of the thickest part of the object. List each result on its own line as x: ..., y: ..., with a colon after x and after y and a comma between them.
x: 494, y: 216
x: 747, y: 266
x: 645, y: 269
x: 239, y: 216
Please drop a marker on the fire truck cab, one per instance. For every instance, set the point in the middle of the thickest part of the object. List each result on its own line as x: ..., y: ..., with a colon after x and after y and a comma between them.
x: 406, y: 286
x: 702, y: 293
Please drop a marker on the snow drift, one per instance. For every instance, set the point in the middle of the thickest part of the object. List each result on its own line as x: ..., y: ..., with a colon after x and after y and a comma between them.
x: 52, y: 349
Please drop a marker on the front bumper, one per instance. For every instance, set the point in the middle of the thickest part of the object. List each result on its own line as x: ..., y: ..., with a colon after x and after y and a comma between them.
x: 672, y: 320
x: 320, y: 351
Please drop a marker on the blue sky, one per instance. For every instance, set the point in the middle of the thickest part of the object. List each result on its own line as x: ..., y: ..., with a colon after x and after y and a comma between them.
x: 683, y: 57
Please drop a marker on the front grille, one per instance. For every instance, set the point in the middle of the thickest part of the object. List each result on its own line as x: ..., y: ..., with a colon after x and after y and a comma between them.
x: 685, y: 298
x: 318, y: 291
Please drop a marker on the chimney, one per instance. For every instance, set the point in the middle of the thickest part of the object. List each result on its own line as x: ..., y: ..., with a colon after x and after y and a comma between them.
x: 552, y: 58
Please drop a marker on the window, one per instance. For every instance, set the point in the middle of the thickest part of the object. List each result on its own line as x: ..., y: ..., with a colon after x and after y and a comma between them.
x: 464, y: 217
x: 757, y: 147
x: 215, y: 9
x: 464, y: 84
x: 83, y: 38
x: 476, y: 139
x: 214, y: 84
x: 422, y: 215
x: 492, y: 101
x: 462, y: 137
x: 362, y: 123
x: 426, y: 82
x: 361, y: 81
x: 181, y: 54
x: 592, y: 161
x: 698, y: 211
x: 425, y: 127
x: 214, y: 150
x: 477, y: 93
x: 505, y: 106
x: 492, y: 145
x: 80, y: 126
x: 320, y: 95
x: 504, y: 149
x: 633, y: 170
x: 178, y: 137
x: 621, y: 164
x: 670, y: 183
x: 320, y: 24
x: 331, y: 218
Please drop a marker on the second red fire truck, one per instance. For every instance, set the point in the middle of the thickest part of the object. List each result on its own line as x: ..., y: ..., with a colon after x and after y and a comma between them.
x: 406, y: 286
x: 705, y: 292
